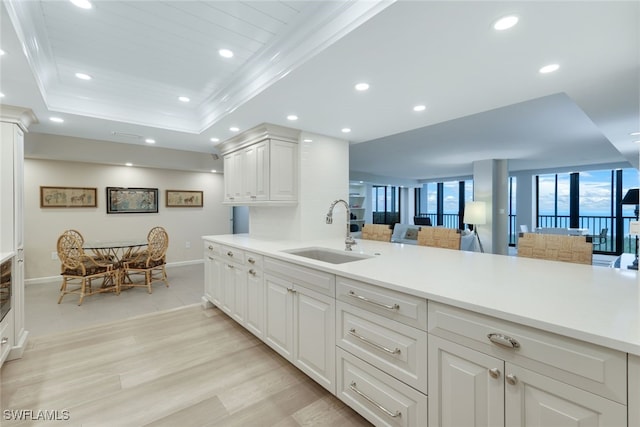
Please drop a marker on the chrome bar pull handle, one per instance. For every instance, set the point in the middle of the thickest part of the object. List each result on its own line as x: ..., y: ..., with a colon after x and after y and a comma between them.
x: 379, y: 304
x: 503, y: 340
x: 396, y: 414
x: 494, y: 372
x: 353, y: 332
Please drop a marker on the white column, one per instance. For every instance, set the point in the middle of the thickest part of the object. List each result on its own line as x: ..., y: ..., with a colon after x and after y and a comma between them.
x: 490, y: 185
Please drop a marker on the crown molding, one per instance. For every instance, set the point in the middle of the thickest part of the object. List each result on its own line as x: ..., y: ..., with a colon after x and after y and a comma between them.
x: 23, y: 117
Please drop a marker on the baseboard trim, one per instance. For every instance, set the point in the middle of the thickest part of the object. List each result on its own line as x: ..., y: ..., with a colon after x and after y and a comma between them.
x: 49, y: 279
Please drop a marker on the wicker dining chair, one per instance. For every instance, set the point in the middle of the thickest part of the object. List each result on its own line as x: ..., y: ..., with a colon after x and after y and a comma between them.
x: 150, y: 262
x: 439, y: 237
x: 552, y: 247
x: 76, y: 265
x: 380, y: 232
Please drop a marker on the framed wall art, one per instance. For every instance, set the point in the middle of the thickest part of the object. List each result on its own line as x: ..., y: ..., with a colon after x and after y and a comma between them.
x: 68, y: 197
x: 184, y: 199
x: 132, y: 200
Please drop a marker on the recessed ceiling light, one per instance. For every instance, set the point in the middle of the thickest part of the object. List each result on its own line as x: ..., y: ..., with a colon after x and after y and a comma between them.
x: 635, y: 133
x: 234, y: 129
x: 505, y: 23
x: 225, y: 53
x: 2, y: 52
x: 150, y: 141
x: 128, y: 164
x: 307, y: 140
x: 213, y: 171
x: 549, y: 68
x: 83, y: 76
x: 56, y: 119
x: 83, y: 4
x: 183, y: 99
x: 346, y: 130
x: 1, y: 95
x: 292, y: 117
x: 215, y: 139
x: 419, y: 108
x: 637, y: 142
x: 362, y: 86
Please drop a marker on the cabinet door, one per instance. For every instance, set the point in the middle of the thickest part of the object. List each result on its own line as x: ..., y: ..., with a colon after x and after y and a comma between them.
x: 466, y: 387
x: 534, y: 400
x: 314, y: 335
x: 249, y: 176
x: 261, y: 191
x: 283, y: 171
x: 229, y: 288
x: 278, y: 329
x: 254, y: 320
x: 240, y: 294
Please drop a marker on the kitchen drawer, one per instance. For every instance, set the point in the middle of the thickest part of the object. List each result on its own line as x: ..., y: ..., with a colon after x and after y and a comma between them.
x: 319, y: 281
x: 393, y: 347
x: 211, y: 249
x: 404, y: 308
x: 587, y: 366
x: 380, y: 398
x: 254, y: 261
x: 231, y: 254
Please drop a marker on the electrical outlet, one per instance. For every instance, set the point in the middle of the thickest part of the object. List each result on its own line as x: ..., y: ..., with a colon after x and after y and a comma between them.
x: 54, y: 256
x: 187, y: 245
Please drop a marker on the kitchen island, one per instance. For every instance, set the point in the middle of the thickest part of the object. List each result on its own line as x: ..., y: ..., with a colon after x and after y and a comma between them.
x: 568, y: 329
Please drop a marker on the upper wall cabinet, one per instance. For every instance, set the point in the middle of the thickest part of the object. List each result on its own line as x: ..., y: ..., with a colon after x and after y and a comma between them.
x: 261, y: 166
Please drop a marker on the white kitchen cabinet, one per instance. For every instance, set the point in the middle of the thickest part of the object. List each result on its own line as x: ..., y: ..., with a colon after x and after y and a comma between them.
x: 483, y: 381
x: 634, y: 390
x: 261, y: 166
x: 300, y: 325
x: 14, y: 122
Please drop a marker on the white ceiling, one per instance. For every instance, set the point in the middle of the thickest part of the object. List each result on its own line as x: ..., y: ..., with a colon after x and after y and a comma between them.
x: 484, y: 95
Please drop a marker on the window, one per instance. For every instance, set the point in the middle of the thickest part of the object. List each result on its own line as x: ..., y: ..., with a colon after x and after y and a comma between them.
x: 386, y: 204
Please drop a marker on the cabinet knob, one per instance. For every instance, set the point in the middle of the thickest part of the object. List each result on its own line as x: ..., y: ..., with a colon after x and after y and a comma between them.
x: 512, y: 379
x: 252, y: 272
x: 210, y: 247
x: 251, y: 261
x: 494, y: 372
x: 230, y: 253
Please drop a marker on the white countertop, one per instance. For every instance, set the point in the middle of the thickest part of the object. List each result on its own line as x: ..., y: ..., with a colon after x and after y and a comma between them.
x: 6, y: 255
x: 600, y: 305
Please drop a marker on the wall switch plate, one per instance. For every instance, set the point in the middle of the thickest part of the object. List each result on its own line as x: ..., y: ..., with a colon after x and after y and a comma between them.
x: 187, y: 245
x: 54, y: 256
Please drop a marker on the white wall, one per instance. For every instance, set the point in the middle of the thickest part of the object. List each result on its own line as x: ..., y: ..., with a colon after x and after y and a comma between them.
x: 43, y: 226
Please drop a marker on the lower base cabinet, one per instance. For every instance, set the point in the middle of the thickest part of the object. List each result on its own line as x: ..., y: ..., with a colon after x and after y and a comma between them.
x: 300, y: 325
x: 468, y: 388
x: 379, y: 397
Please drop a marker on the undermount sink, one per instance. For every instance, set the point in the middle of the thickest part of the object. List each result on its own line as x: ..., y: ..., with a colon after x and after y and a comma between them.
x: 332, y: 256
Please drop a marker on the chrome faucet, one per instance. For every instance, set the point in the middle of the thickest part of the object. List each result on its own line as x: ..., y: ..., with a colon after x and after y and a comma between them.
x: 349, y: 242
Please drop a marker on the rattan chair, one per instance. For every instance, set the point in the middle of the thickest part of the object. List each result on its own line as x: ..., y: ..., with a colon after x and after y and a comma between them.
x: 439, y: 237
x: 553, y: 247
x: 76, y: 265
x: 150, y: 262
x: 380, y: 232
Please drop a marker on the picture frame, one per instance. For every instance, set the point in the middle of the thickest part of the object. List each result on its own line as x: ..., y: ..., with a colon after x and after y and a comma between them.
x: 132, y: 200
x: 184, y: 199
x: 68, y: 197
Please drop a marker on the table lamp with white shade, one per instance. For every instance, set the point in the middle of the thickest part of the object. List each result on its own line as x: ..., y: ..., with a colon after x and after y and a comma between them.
x: 632, y: 198
x: 475, y: 213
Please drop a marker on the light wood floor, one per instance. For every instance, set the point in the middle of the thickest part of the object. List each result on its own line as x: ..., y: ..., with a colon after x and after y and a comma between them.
x: 181, y: 367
